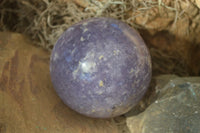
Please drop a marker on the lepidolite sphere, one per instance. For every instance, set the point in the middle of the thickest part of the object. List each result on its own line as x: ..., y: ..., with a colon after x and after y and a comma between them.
x: 100, y: 67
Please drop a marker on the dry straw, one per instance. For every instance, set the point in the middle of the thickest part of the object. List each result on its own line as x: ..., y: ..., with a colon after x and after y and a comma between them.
x: 45, y: 20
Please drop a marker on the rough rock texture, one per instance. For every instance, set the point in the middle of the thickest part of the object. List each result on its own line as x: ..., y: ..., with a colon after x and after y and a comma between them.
x: 176, y: 110
x: 100, y: 67
x: 28, y: 103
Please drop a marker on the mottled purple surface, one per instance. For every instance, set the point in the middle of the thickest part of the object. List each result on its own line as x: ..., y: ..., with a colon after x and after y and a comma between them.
x: 100, y: 67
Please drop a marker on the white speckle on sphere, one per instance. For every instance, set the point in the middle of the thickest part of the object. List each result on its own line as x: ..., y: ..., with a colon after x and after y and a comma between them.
x: 88, y: 36
x: 116, y: 52
x: 110, y: 100
x: 55, y: 57
x: 99, y: 91
x: 87, y: 66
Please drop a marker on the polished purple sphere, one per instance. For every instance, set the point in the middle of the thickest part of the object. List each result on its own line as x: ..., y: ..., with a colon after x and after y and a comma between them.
x: 100, y: 67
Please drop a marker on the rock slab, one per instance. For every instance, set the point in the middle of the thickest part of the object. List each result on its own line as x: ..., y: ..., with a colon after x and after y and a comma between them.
x: 176, y: 110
